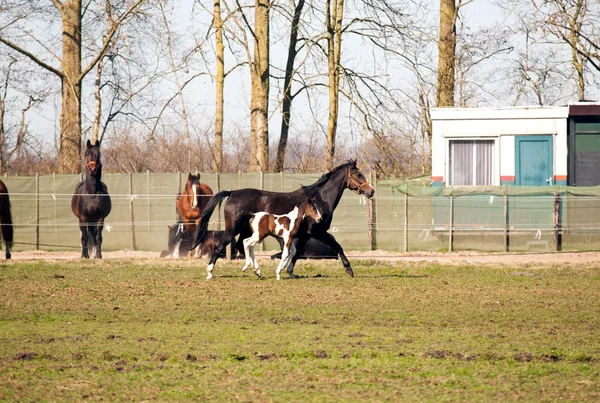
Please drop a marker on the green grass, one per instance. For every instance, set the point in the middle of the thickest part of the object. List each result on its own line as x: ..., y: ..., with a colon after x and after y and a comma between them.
x: 118, y: 330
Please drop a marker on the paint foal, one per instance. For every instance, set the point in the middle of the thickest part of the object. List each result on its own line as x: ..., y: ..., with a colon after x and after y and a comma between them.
x: 284, y: 226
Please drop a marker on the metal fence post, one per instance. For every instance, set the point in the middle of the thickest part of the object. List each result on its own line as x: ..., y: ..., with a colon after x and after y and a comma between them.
x: 505, y: 223
x: 262, y: 187
x: 218, y: 189
x: 148, y: 198
x: 405, y: 222
x: 37, y: 211
x: 132, y: 224
x: 372, y: 218
x: 557, y: 231
x: 450, y: 223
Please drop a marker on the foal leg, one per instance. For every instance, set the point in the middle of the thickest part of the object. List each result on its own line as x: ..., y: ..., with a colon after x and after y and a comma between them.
x: 248, y: 245
x: 250, y: 250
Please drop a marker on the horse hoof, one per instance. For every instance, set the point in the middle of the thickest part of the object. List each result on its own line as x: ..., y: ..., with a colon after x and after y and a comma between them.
x: 292, y: 275
x: 350, y: 272
x: 257, y: 272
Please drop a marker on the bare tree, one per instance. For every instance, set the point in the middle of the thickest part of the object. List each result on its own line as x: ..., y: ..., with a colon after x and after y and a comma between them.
x: 287, y: 87
x: 449, y: 10
x: 71, y: 72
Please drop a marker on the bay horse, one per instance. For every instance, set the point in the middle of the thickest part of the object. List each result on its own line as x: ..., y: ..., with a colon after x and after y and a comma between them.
x: 91, y: 203
x: 328, y: 192
x: 285, y: 226
x: 191, y: 201
x: 6, y: 220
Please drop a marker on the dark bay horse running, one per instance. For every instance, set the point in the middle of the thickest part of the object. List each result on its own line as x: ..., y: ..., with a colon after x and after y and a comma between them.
x: 328, y: 190
x: 6, y: 219
x: 91, y: 203
x: 190, y: 204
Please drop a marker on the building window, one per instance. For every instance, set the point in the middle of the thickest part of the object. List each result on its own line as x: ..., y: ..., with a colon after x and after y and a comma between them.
x: 472, y: 162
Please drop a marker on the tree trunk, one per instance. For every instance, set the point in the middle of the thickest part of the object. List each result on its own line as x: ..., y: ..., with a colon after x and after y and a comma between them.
x: 220, y: 85
x: 577, y: 60
x: 287, y: 88
x: 98, y: 96
x: 334, y: 45
x: 259, y: 104
x: 446, y: 53
x: 70, y: 116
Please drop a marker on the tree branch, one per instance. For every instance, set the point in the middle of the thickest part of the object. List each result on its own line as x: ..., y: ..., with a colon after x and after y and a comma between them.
x: 107, y: 40
x: 32, y: 57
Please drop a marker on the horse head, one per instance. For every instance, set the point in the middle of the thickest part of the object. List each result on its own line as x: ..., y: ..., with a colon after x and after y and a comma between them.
x: 193, y: 188
x: 92, y: 159
x: 357, y: 182
x: 309, y: 206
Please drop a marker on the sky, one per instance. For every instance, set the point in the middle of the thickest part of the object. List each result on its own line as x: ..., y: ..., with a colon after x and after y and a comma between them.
x: 190, y: 26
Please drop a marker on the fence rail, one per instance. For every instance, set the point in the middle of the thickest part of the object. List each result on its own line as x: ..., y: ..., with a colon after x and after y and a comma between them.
x: 144, y: 205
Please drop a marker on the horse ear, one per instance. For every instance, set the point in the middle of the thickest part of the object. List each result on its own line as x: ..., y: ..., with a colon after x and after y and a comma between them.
x: 88, y: 144
x: 190, y: 176
x: 97, y: 143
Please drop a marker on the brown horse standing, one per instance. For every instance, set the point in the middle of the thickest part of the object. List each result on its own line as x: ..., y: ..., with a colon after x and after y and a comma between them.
x: 6, y: 219
x: 191, y: 202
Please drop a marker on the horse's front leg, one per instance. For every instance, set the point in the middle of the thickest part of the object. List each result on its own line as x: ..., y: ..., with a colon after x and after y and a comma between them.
x: 249, y: 251
x: 289, y: 249
x: 98, y: 239
x: 328, y: 239
x: 83, y: 228
x: 218, y: 249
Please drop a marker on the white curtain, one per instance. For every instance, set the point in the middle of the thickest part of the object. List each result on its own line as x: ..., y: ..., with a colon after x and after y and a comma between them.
x: 471, y: 162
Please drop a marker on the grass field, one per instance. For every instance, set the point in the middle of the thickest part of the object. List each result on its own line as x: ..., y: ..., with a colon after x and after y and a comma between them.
x: 121, y: 330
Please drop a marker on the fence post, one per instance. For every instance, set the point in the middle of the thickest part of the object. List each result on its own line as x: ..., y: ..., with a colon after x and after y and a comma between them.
x: 177, y: 194
x: 450, y: 223
x: 405, y: 222
x: 131, y: 211
x: 218, y: 189
x: 148, y: 197
x: 55, y: 208
x: 262, y: 187
x: 372, y: 218
x: 557, y: 231
x: 37, y: 211
x: 505, y: 223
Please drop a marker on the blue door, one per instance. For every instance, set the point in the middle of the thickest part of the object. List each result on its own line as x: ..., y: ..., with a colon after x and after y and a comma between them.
x: 533, y: 160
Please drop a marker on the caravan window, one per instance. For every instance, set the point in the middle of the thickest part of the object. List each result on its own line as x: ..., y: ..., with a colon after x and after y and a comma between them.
x: 472, y: 162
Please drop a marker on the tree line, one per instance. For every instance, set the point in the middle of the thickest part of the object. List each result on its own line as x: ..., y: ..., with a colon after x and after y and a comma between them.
x: 343, y: 78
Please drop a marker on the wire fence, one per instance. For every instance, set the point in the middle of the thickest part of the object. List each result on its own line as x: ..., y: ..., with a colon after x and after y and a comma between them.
x: 144, y: 206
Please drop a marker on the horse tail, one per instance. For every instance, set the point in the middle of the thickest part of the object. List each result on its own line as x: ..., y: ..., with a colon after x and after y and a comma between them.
x: 202, y: 227
x: 6, y: 217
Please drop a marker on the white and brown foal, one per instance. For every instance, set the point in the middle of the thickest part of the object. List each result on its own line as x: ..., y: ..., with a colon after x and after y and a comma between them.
x: 282, y: 226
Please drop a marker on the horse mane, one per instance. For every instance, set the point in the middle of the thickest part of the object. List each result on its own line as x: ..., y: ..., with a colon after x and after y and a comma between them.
x: 325, y: 177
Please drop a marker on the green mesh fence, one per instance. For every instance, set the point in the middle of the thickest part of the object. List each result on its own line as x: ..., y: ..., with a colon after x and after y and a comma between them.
x: 402, y: 215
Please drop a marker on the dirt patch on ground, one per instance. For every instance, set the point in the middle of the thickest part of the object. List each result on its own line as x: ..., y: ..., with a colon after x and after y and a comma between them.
x: 511, y: 259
